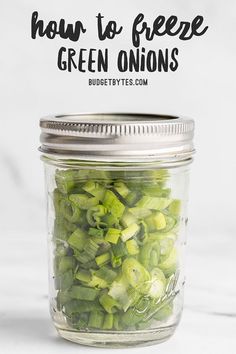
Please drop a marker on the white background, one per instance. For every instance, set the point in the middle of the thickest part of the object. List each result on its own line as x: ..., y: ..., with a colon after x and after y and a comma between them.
x: 203, y: 88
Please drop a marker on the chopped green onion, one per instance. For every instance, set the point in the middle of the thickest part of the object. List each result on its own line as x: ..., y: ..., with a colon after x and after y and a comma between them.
x: 66, y: 263
x: 63, y: 297
x: 121, y: 188
x: 154, y: 203
x: 128, y: 219
x: 91, y: 248
x: 150, y: 254
x: 65, y: 180
x: 116, y: 261
x: 131, y: 317
x: 83, y: 293
x: 60, y: 232
x: 77, y: 239
x: 115, y: 248
x: 64, y: 281
x: 106, y: 273
x: 156, y: 221
x: 113, y: 204
x: 110, y: 220
x: 108, y: 303
x: 132, y: 247
x: 70, y: 211
x: 166, y: 245
x: 140, y: 213
x: 103, y: 259
x: 95, y: 189
x: 80, y: 306
x: 83, y: 276
x: 132, y: 198
x: 82, y: 201
x: 117, y: 322
x: 96, y: 319
x: 119, y: 292
x: 129, y: 232
x: 175, y: 207
x: 97, y: 282
x: 119, y: 250
x: 112, y: 235
x: 108, y: 321
x: 135, y: 273
x: 95, y: 214
x: 156, y: 191
x: 171, y: 223
x: 158, y: 284
x: 95, y: 232
x: 169, y: 265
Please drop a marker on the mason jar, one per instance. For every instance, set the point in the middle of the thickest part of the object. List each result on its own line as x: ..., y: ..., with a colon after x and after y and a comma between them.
x: 117, y: 191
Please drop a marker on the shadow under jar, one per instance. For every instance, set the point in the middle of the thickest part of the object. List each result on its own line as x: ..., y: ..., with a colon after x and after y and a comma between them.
x: 117, y: 188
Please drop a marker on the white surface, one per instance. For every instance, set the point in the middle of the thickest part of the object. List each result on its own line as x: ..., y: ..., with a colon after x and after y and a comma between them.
x: 208, y: 324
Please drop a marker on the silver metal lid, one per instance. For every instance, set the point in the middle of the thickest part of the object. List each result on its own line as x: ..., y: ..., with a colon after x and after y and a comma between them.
x: 117, y: 137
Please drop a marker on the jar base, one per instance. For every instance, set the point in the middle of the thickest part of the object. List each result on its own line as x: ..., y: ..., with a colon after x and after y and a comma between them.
x: 119, y: 339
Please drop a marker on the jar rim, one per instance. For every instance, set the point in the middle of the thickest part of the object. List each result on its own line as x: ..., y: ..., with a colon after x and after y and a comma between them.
x: 117, y: 136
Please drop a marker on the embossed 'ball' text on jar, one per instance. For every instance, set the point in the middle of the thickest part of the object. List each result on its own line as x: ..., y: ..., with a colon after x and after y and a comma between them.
x: 117, y: 187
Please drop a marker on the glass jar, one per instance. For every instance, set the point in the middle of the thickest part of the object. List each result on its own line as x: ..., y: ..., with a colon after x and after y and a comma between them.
x: 117, y: 187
